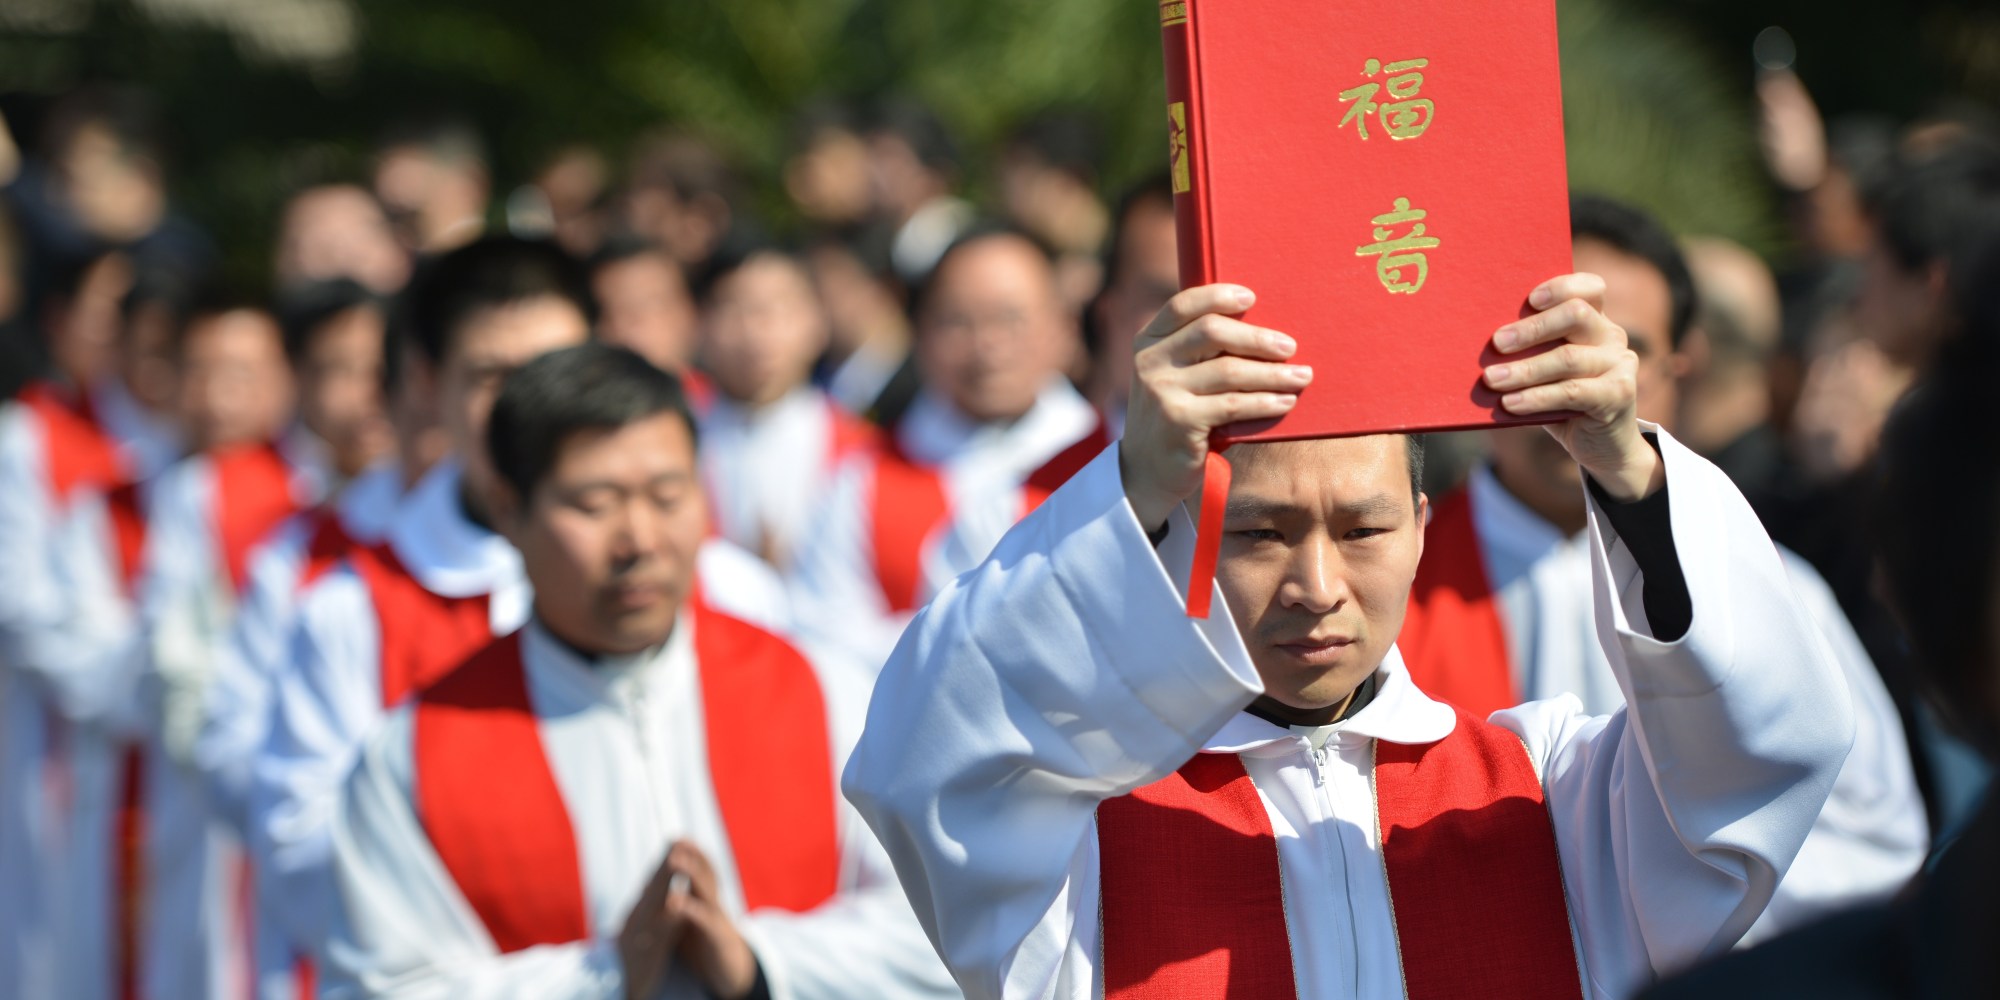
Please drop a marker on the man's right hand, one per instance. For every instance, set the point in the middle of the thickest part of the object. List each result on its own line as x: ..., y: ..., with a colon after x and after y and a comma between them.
x: 652, y: 932
x: 1196, y: 368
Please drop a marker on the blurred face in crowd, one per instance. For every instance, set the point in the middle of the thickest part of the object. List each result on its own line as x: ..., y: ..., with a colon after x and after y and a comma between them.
x: 609, y: 537
x: 487, y: 345
x: 1902, y: 310
x: 763, y: 330
x: 1148, y: 275
x: 643, y: 304
x: 1320, y: 544
x: 993, y: 334
x: 339, y: 231
x: 434, y: 202
x: 829, y: 179
x: 146, y: 362
x: 235, y: 386
x: 115, y: 192
x: 83, y: 331
x: 1532, y: 464
x: 859, y: 306
x: 340, y: 388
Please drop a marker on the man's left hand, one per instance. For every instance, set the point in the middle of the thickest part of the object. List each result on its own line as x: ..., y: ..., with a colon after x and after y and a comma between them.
x: 1593, y: 375
x: 710, y: 944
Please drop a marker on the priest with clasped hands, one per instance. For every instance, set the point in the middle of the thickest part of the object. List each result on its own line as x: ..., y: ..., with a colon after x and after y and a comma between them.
x: 1086, y: 792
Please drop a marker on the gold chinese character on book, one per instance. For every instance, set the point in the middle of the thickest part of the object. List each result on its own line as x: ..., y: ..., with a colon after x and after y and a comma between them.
x: 1400, y: 263
x: 1404, y: 115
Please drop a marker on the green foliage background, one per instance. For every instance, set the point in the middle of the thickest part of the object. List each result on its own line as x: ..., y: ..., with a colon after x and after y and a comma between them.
x: 1652, y: 113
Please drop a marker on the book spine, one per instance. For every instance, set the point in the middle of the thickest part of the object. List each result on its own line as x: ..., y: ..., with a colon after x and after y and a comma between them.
x: 1188, y: 140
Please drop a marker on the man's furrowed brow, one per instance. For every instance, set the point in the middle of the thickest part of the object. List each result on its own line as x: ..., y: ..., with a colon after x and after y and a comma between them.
x: 1254, y: 508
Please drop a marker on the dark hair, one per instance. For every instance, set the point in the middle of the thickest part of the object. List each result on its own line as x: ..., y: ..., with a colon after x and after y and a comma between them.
x: 1065, y: 139
x: 978, y: 232
x: 168, y: 288
x: 210, y: 299
x: 449, y: 137
x: 1631, y: 230
x: 919, y: 128
x: 740, y: 249
x: 304, y: 310
x: 1937, y: 471
x: 562, y: 393
x: 494, y: 271
x: 626, y: 246
x: 1413, y: 450
x: 129, y: 115
x: 1929, y: 210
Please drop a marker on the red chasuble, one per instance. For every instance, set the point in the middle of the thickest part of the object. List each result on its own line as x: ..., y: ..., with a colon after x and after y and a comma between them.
x: 1192, y: 900
x: 1453, y: 640
x: 423, y: 635
x: 489, y: 801
x: 253, y: 495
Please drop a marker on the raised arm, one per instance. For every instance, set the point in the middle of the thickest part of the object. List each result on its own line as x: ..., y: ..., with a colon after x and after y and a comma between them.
x: 1061, y: 672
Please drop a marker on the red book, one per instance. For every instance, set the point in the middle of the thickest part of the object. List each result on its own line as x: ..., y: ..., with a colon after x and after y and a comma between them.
x: 1390, y: 182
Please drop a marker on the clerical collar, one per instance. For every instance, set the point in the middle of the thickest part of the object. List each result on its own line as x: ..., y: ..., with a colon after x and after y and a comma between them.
x: 1362, y: 696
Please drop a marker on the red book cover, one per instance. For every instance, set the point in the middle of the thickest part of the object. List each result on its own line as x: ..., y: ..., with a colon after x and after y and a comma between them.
x: 1390, y: 182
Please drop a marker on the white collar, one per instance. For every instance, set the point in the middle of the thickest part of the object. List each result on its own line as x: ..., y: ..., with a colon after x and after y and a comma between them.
x: 935, y: 432
x: 1506, y: 523
x: 447, y: 553
x: 611, y: 678
x: 728, y: 413
x: 1399, y: 713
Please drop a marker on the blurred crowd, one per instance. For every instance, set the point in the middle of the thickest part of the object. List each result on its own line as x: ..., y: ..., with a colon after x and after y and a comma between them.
x: 241, y: 522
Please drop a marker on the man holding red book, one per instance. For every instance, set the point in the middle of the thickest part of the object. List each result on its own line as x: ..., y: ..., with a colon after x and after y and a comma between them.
x: 1087, y: 792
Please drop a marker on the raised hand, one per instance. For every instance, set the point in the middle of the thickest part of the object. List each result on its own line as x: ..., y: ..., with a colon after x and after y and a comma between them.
x: 1592, y: 375
x: 1197, y: 368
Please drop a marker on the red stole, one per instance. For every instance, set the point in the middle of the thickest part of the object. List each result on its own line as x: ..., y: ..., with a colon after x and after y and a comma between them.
x: 1453, y: 640
x: 1068, y: 462
x: 510, y: 845
x: 1192, y: 903
x: 80, y: 454
x: 326, y: 545
x: 908, y: 504
x: 253, y: 495
x: 423, y: 635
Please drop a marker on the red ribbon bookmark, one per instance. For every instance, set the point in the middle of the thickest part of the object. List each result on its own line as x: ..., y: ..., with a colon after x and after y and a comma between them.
x: 1208, y: 533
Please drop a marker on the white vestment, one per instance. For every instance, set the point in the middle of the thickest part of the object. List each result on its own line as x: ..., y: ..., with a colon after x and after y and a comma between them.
x: 767, y: 470
x: 836, y: 594
x: 328, y: 697
x: 1871, y: 837
x: 625, y: 739
x: 1063, y: 671
x: 71, y: 657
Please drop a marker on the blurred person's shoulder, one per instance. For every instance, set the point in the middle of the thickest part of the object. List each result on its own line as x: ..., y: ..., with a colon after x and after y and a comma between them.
x: 1851, y: 956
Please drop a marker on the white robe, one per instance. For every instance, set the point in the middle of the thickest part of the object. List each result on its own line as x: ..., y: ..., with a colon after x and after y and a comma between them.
x: 836, y: 595
x: 1871, y: 837
x: 1063, y: 671
x: 625, y: 740
x: 327, y: 698
x: 767, y: 470
x: 71, y: 659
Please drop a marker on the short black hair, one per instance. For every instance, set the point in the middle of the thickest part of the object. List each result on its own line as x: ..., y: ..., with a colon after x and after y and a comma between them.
x: 627, y: 246
x: 920, y: 128
x: 1413, y: 450
x: 739, y: 249
x: 1632, y: 230
x: 491, y: 272
x: 1931, y: 209
x: 1936, y: 475
x: 211, y: 298
x: 447, y: 136
x: 588, y: 387
x: 130, y: 115
x: 1064, y: 138
x: 978, y: 232
x: 1157, y: 189
x: 305, y: 309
